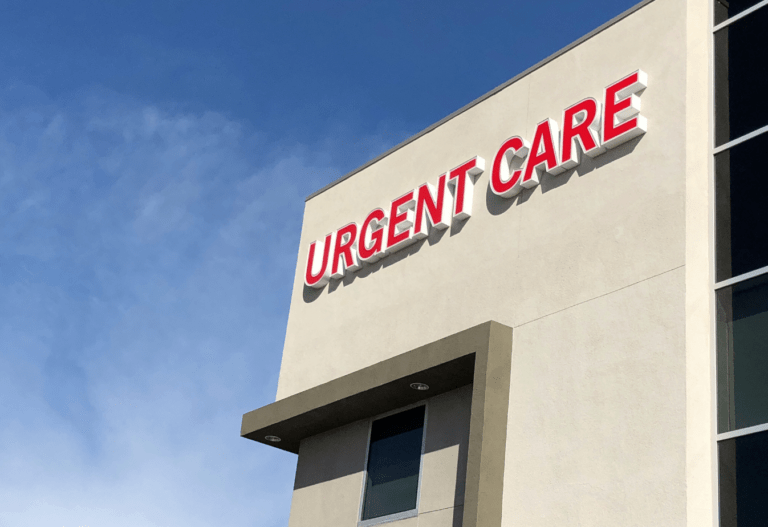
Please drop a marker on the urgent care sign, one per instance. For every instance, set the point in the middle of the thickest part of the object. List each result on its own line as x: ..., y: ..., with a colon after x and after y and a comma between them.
x: 589, y: 127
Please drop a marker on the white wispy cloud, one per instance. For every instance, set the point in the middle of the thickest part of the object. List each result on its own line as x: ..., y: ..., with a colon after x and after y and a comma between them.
x: 146, y: 260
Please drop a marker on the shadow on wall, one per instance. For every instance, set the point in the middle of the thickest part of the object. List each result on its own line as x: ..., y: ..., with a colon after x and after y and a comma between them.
x: 323, y: 459
x: 497, y: 205
x: 448, y: 427
x: 310, y: 294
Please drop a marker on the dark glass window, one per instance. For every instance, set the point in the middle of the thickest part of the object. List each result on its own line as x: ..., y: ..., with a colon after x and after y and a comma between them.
x: 741, y: 78
x: 394, y: 460
x: 742, y: 207
x: 725, y: 9
x: 742, y: 341
x: 744, y: 480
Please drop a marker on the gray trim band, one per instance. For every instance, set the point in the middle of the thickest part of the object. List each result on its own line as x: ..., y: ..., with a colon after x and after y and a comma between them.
x: 480, y: 99
x: 480, y: 356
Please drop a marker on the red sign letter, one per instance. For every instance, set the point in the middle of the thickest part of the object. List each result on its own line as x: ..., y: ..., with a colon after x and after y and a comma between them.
x: 544, y: 153
x: 400, y: 222
x: 314, y: 277
x: 463, y: 180
x: 372, y: 231
x: 432, y: 203
x: 513, y: 151
x: 581, y: 122
x: 346, y: 248
x: 622, y: 121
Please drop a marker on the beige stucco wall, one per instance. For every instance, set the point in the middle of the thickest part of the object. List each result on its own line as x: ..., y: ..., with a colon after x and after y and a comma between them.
x: 597, y: 412
x: 604, y: 274
x: 330, y: 470
x: 615, y: 221
x: 701, y: 475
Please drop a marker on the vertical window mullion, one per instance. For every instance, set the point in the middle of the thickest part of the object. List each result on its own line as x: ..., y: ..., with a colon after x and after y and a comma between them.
x: 740, y: 42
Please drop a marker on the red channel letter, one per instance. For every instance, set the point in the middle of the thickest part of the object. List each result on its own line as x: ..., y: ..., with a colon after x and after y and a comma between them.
x: 322, y: 276
x: 432, y: 203
x: 503, y: 183
x: 463, y: 179
x: 581, y: 123
x: 544, y: 153
x: 622, y: 120
x: 372, y: 230
x: 345, y: 251
x: 400, y: 222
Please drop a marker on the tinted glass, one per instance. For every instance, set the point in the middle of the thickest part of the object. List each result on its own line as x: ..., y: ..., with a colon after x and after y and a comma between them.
x: 725, y: 9
x: 742, y: 208
x: 744, y: 481
x: 394, y: 457
x: 742, y: 355
x: 741, y: 76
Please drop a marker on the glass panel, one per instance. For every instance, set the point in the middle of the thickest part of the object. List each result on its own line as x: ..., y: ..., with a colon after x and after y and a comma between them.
x: 741, y: 77
x: 725, y: 9
x: 742, y: 208
x: 394, y: 458
x: 744, y: 480
x: 742, y: 355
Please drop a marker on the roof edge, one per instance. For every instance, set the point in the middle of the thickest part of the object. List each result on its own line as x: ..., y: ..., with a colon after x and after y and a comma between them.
x: 480, y: 99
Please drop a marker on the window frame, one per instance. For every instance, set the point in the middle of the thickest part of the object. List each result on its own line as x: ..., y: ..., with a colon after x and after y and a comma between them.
x: 714, y: 150
x: 411, y: 513
x: 715, y: 285
x: 737, y: 17
x: 730, y: 319
x: 731, y: 61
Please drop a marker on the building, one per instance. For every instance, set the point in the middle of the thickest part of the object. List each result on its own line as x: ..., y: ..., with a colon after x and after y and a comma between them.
x: 551, y: 307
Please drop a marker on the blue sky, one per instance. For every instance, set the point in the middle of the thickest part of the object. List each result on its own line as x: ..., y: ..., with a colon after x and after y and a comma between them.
x: 154, y: 160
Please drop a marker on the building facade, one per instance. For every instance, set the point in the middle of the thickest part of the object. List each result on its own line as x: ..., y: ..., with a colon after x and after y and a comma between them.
x: 551, y: 307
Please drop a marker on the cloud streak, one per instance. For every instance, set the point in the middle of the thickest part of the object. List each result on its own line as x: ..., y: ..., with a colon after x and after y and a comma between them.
x: 146, y: 260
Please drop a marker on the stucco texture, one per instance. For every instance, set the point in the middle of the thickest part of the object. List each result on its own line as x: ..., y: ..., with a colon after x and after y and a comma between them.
x: 607, y: 425
x: 613, y: 221
x: 331, y: 468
